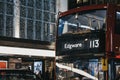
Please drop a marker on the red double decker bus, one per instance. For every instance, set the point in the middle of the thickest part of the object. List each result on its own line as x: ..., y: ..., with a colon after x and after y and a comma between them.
x: 88, y: 38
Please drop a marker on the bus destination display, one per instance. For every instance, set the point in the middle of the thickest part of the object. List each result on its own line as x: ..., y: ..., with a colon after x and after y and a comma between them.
x: 90, y: 43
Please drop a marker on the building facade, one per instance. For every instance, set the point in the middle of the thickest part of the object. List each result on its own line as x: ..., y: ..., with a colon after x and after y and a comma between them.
x: 36, y: 19
x: 27, y: 29
x: 28, y: 19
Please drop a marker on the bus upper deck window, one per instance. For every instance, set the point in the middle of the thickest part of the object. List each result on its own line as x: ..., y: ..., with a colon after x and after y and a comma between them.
x: 82, y: 22
x: 117, y: 26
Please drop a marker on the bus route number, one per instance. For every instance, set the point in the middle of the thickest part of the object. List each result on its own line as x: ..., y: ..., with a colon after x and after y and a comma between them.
x: 94, y: 43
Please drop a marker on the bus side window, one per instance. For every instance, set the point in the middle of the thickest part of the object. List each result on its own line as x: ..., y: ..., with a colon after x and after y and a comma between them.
x: 117, y: 24
x: 104, y: 27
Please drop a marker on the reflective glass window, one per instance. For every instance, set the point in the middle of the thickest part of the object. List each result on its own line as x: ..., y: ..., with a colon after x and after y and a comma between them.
x: 30, y: 13
x: 82, y: 22
x: 9, y: 26
x: 30, y: 3
x: 38, y: 30
x: 46, y: 16
x: 10, y: 1
x: 1, y: 24
x: 1, y: 7
x: 23, y: 2
x: 52, y: 5
x: 10, y: 9
x: 22, y: 11
x: 52, y: 17
x: 22, y: 28
x: 46, y: 5
x: 39, y: 4
x: 46, y: 31
x: 30, y: 29
x: 38, y: 14
x: 117, y: 26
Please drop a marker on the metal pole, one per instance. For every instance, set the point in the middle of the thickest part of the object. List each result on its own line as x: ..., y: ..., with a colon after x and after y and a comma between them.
x: 112, y: 64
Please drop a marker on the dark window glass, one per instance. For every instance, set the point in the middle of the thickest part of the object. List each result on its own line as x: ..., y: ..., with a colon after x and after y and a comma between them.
x: 22, y: 11
x: 30, y: 13
x: 31, y: 3
x: 82, y: 22
x: 38, y: 30
x: 52, y: 17
x: 1, y: 7
x: 46, y: 5
x: 46, y: 16
x: 10, y: 9
x: 10, y: 1
x: 86, y: 2
x: 93, y: 2
x: 46, y: 32
x: 53, y: 6
x: 23, y: 2
x: 1, y: 1
x: 22, y: 27
x: 1, y: 24
x: 105, y: 1
x: 9, y: 26
x: 30, y: 29
x: 52, y: 32
x: 118, y: 1
x: 39, y: 4
x: 117, y: 27
x: 38, y: 14
x: 72, y: 4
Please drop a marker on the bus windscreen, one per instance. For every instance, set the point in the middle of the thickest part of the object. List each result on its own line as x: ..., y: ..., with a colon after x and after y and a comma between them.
x: 82, y: 22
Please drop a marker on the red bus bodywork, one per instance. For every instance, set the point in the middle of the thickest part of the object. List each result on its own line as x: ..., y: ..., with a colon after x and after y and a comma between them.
x: 112, y: 40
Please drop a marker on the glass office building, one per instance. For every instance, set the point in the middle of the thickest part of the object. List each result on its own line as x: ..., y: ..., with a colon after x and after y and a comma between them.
x: 28, y: 19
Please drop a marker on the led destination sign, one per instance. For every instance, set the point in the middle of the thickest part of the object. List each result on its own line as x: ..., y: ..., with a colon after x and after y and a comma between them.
x: 91, y: 44
x: 71, y: 46
x: 79, y: 44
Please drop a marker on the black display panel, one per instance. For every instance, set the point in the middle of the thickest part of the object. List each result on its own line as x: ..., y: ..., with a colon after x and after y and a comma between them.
x: 75, y: 44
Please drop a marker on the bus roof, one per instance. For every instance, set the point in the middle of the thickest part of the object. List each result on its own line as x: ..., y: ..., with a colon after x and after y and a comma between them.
x: 83, y: 8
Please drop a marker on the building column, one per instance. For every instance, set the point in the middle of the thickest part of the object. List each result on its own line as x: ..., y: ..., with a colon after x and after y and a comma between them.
x: 62, y: 5
x: 16, y: 19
